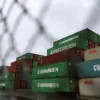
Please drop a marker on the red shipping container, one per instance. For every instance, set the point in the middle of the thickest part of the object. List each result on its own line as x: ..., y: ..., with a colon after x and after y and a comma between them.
x: 15, y: 69
x: 30, y: 70
x: 35, y: 57
x: 26, y: 62
x: 74, y: 54
x: 92, y: 44
x: 23, y: 84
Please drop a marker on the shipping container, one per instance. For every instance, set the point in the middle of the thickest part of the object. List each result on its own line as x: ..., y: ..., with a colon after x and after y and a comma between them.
x: 27, y: 56
x: 92, y: 36
x: 37, y: 57
x: 85, y: 34
x: 79, y: 43
x: 23, y: 84
x: 89, y: 87
x: 98, y: 39
x: 35, y: 63
x: 53, y: 70
x: 73, y: 55
x: 27, y: 77
x: 17, y: 84
x: 26, y: 62
x: 2, y: 84
x: 9, y: 76
x: 9, y: 85
x: 92, y: 54
x: 92, y: 44
x: 18, y: 76
x: 15, y: 67
x: 54, y: 84
x: 89, y: 69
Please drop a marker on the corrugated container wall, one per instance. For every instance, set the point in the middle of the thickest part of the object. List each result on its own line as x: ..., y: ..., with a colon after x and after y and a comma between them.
x: 53, y: 70
x: 89, y: 69
x: 54, y: 84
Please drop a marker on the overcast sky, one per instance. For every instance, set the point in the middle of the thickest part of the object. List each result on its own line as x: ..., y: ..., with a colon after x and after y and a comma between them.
x: 63, y: 18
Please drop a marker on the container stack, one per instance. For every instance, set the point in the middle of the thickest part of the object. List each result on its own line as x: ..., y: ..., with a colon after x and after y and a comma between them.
x: 6, y: 79
x: 56, y: 72
x: 89, y: 73
x: 16, y: 68
x: 72, y: 64
x: 27, y: 62
x: 83, y: 39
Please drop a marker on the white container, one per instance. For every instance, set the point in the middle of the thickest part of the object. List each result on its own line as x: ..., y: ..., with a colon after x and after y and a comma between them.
x: 88, y: 98
x: 89, y: 87
x: 92, y: 54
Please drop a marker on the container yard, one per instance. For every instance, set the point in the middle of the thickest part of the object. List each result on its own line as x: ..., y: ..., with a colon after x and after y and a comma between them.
x: 70, y: 69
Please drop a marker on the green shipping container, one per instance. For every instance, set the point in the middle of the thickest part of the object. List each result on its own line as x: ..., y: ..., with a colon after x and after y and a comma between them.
x: 98, y: 39
x: 9, y: 85
x: 39, y: 57
x: 7, y: 76
x: 85, y: 34
x: 80, y: 43
x: 54, y: 84
x: 89, y: 69
x: 35, y: 63
x: 27, y: 56
x: 52, y: 70
x: 2, y: 85
x: 10, y: 76
x: 92, y: 36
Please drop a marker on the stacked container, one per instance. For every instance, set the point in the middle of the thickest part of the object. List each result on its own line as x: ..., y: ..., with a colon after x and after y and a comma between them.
x: 7, y: 79
x: 89, y: 73
x: 17, y: 69
x: 56, y: 72
x: 83, y: 39
x: 27, y: 61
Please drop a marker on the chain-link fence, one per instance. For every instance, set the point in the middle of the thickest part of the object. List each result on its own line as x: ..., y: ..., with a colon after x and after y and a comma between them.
x: 9, y: 30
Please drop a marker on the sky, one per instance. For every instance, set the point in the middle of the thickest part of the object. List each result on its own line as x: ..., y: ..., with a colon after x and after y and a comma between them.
x: 63, y: 18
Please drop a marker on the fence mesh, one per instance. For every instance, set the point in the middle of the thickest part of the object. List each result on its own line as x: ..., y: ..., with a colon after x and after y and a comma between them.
x: 10, y: 31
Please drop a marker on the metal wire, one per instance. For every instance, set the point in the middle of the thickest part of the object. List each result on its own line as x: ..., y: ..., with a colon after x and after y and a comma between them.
x: 24, y: 12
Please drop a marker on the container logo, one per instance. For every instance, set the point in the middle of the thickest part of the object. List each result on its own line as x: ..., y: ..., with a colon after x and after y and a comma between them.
x: 96, y: 67
x: 63, y: 48
x: 48, y: 85
x: 70, y: 39
x: 92, y: 51
x: 49, y: 70
x: 88, y: 82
